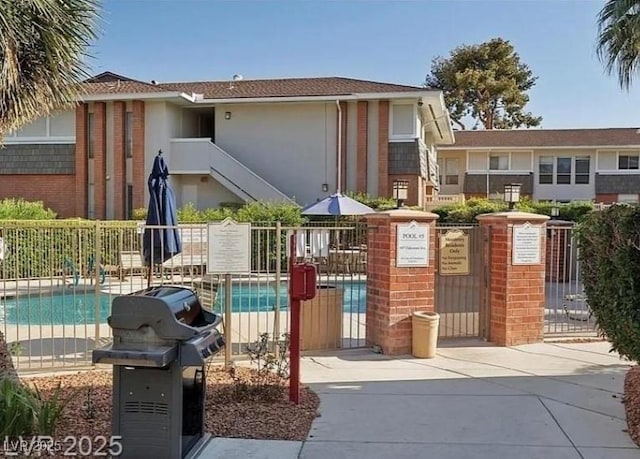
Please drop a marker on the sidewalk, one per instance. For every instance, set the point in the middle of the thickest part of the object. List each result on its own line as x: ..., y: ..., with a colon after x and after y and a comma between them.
x: 557, y: 401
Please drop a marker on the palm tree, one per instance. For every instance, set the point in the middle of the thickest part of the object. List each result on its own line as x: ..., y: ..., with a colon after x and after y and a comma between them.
x: 618, y: 43
x: 42, y: 48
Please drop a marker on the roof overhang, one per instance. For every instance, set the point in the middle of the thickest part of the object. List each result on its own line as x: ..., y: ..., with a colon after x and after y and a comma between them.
x: 435, y: 117
x: 168, y: 95
x: 545, y: 147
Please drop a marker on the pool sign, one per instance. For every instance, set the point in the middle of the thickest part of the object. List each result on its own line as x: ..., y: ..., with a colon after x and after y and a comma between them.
x: 412, y: 245
x: 454, y: 253
x: 229, y: 247
x: 526, y: 245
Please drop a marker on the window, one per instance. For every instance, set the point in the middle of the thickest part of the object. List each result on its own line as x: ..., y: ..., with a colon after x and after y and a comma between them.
x: 563, y: 171
x: 499, y: 163
x: 403, y: 123
x: 90, y: 136
x: 545, y: 170
x: 128, y: 134
x: 440, y: 170
x: 451, y: 171
x: 129, y: 202
x: 583, y: 169
x: 626, y: 162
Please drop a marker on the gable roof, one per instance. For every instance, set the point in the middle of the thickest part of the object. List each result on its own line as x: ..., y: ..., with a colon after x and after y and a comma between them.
x: 111, y: 83
x: 530, y: 138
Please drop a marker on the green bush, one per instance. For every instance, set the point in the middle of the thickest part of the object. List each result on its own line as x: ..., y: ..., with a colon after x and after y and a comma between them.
x: 609, y: 243
x: 25, y: 411
x: 379, y: 203
x: 468, y: 211
x: 19, y: 209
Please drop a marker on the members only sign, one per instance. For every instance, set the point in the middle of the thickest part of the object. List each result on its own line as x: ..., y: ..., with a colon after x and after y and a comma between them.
x: 412, y: 245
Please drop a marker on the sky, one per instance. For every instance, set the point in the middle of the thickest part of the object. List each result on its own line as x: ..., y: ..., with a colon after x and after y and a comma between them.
x: 390, y: 41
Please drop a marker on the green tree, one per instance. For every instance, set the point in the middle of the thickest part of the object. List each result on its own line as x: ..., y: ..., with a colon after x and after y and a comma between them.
x: 42, y: 47
x: 487, y: 82
x: 618, y: 43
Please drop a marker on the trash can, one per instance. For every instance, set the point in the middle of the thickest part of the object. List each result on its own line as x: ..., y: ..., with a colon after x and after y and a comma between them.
x: 424, y: 334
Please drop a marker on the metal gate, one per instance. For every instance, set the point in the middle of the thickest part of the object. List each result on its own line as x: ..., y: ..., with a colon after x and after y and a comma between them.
x: 462, y: 280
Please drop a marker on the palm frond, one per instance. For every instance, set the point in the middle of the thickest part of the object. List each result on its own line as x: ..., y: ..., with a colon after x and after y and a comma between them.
x: 618, y: 44
x: 43, y: 47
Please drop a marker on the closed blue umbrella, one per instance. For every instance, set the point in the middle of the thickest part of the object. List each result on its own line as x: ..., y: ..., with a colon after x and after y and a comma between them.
x: 160, y: 244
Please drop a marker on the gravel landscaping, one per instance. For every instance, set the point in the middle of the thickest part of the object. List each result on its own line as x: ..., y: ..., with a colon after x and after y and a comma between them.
x: 632, y: 402
x: 251, y: 406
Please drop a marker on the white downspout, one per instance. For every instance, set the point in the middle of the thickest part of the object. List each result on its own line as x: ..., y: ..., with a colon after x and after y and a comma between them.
x: 339, y: 147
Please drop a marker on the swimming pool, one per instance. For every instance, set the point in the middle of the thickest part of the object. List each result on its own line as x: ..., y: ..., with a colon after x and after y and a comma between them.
x: 69, y: 308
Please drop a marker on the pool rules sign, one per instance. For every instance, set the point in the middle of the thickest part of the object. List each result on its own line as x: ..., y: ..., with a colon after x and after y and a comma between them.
x: 229, y: 247
x: 526, y: 246
x: 412, y: 245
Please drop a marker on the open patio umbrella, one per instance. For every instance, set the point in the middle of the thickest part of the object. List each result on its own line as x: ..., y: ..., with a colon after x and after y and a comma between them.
x: 161, y: 239
x: 337, y: 205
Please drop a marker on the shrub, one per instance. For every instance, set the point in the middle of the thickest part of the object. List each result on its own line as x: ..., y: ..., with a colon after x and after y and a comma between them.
x: 468, y: 211
x: 19, y: 209
x: 25, y: 411
x: 286, y: 213
x: 609, y: 243
x: 140, y: 214
x: 379, y: 203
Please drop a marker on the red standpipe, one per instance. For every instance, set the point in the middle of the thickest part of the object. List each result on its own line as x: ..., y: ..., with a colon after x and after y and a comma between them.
x: 302, y: 286
x: 294, y: 330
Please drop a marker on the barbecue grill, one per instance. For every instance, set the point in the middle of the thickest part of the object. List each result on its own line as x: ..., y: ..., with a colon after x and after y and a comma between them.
x: 162, y: 338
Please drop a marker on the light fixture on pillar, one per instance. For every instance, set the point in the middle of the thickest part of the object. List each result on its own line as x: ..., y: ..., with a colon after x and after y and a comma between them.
x: 512, y: 194
x: 400, y: 191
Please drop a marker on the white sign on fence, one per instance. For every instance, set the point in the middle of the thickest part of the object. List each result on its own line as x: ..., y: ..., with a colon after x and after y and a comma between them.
x: 412, y: 245
x: 526, y: 245
x: 229, y: 247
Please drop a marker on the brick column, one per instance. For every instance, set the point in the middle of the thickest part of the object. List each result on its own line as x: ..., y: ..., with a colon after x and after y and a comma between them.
x: 82, y: 113
x: 139, y: 179
x: 362, y: 146
x: 516, y: 292
x: 100, y: 159
x: 394, y: 293
x: 343, y: 147
x: 119, y: 160
x: 383, y: 149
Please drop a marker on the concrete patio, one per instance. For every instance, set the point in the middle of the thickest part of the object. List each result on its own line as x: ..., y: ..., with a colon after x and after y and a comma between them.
x: 557, y: 401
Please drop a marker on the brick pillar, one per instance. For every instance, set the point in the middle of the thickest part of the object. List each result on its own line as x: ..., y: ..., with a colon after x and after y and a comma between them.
x: 516, y: 291
x: 343, y: 147
x: 394, y: 293
x: 139, y: 179
x: 383, y: 149
x: 361, y: 142
x: 119, y: 160
x: 82, y: 113
x: 100, y: 159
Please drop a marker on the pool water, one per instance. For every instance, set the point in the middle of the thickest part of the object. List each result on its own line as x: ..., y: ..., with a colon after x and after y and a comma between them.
x: 262, y: 297
x: 68, y: 308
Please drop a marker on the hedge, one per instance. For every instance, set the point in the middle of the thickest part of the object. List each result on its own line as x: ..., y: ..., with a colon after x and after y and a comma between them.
x: 610, y: 265
x: 468, y: 211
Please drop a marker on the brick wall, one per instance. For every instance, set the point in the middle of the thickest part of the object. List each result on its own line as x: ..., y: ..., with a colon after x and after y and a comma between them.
x: 383, y: 149
x: 80, y: 182
x: 139, y: 179
x: 394, y: 293
x: 119, y: 160
x: 361, y: 158
x: 516, y: 291
x: 100, y: 159
x: 57, y: 192
x: 607, y: 198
